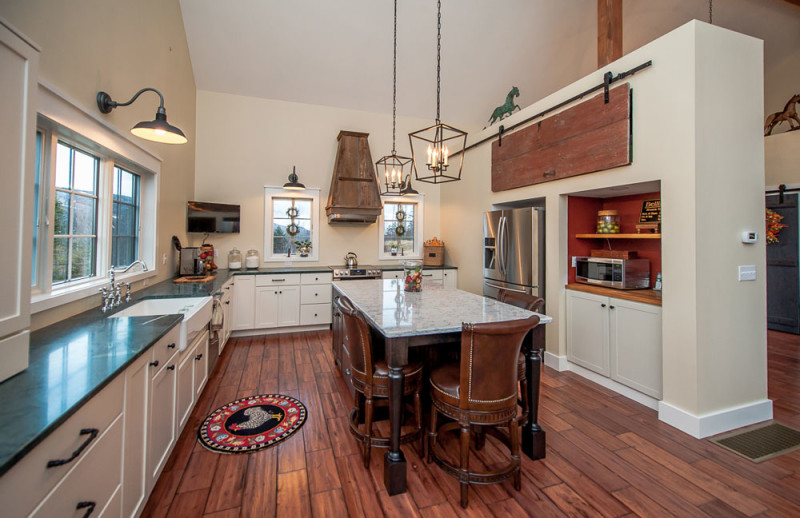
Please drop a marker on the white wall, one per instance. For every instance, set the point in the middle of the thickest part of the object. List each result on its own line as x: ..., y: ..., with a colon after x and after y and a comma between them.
x: 782, y: 159
x: 245, y: 143
x: 709, y: 160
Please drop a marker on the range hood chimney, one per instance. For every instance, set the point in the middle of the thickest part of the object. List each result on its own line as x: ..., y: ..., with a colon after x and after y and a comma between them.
x: 355, y: 195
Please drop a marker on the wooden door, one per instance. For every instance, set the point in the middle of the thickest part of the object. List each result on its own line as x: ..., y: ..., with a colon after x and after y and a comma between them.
x: 783, y: 274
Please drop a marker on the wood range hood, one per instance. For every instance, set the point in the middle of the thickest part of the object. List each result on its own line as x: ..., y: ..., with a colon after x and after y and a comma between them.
x: 355, y: 195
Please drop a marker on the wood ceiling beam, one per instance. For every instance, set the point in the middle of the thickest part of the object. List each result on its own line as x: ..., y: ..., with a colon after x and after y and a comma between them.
x: 609, y: 31
x: 795, y: 2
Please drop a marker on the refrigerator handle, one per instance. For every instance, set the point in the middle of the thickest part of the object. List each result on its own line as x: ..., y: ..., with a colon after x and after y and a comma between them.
x: 487, y: 283
x: 504, y: 244
x: 500, y: 245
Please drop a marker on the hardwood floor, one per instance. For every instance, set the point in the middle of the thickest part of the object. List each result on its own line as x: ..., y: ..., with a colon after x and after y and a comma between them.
x: 606, y: 455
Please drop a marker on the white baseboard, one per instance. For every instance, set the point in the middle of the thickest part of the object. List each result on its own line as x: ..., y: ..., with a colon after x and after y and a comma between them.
x: 558, y: 363
x: 715, y: 422
x: 617, y: 387
x: 278, y: 330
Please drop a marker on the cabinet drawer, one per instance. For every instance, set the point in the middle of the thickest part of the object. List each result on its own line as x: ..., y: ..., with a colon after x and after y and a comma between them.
x: 316, y: 278
x: 435, y: 275
x: 165, y: 348
x: 24, y: 486
x: 317, y: 294
x: 278, y: 280
x: 311, y: 314
x: 94, y: 479
x: 392, y: 274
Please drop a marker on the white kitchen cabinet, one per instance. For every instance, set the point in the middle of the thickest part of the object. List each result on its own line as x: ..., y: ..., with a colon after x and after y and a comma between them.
x: 244, y: 313
x: 200, y: 360
x: 277, y: 306
x: 227, y: 313
x: 315, y: 298
x: 617, y: 338
x: 184, y: 388
x: 438, y: 277
x: 161, y: 417
x: 19, y: 60
x: 450, y: 278
x: 134, y: 490
x: 392, y: 274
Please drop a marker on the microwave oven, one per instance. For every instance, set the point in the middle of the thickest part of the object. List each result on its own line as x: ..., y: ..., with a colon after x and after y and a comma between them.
x: 623, y: 274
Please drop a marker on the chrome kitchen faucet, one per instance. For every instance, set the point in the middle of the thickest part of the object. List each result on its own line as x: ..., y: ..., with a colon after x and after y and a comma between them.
x: 112, y: 295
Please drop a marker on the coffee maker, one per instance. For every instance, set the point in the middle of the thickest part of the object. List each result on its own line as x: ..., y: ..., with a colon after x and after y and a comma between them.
x: 191, y: 263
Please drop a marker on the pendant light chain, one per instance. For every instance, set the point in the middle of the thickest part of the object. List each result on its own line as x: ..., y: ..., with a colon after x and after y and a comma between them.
x: 394, y: 81
x: 438, y: 57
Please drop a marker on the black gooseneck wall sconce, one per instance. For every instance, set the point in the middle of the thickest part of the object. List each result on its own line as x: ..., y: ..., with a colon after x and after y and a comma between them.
x: 157, y: 130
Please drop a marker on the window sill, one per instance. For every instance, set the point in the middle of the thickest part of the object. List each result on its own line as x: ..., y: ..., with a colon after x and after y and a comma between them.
x: 293, y: 259
x: 45, y: 301
x: 400, y: 258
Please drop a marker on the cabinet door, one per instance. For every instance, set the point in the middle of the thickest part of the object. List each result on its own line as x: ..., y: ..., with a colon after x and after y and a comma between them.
x: 243, y: 297
x: 587, y: 331
x: 289, y: 306
x: 450, y: 278
x: 200, y: 360
x: 162, y: 420
x: 184, y: 397
x: 266, y: 307
x: 397, y: 274
x: 134, y: 476
x: 636, y: 345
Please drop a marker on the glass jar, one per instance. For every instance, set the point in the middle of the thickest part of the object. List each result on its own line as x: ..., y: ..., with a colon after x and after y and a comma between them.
x: 412, y: 275
x: 234, y: 259
x: 607, y: 222
x: 251, y: 260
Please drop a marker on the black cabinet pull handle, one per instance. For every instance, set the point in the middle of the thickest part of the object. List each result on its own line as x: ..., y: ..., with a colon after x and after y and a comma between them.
x: 278, y: 280
x: 227, y: 302
x: 154, y: 364
x: 611, y: 307
x: 171, y: 367
x: 91, y: 432
x: 89, y: 506
x: 171, y: 346
x: 198, y: 356
x: 602, y: 305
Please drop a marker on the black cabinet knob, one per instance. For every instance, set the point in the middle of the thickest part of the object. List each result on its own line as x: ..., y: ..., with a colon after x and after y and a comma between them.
x: 171, y: 367
x: 610, y: 307
x: 154, y: 364
x: 171, y: 346
x: 198, y: 356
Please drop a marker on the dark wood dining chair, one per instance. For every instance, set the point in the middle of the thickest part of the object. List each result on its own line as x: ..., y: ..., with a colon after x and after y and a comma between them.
x: 370, y: 378
x: 480, y: 391
x: 531, y: 303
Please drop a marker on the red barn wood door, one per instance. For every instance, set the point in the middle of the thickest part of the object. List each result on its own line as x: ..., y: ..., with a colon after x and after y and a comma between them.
x: 592, y: 136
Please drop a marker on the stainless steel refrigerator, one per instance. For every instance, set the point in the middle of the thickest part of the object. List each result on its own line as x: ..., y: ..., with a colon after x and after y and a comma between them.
x: 513, y: 251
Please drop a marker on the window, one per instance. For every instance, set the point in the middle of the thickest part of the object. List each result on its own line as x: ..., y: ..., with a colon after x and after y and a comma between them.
x: 125, y: 218
x: 95, y: 199
x: 291, y: 223
x: 400, y: 228
x: 75, y: 215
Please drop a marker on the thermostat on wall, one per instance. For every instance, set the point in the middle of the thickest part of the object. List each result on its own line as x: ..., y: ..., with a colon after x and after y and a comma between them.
x: 749, y: 236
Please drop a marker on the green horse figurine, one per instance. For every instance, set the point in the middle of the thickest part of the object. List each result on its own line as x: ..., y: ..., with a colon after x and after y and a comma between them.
x: 501, y: 112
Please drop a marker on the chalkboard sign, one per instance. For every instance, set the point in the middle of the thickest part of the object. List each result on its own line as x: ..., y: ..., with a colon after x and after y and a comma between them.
x: 651, y: 211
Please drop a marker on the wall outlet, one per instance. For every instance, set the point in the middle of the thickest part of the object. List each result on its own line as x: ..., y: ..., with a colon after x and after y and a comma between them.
x: 574, y: 262
x: 747, y: 272
x: 216, y: 253
x: 145, y: 282
x: 164, y: 259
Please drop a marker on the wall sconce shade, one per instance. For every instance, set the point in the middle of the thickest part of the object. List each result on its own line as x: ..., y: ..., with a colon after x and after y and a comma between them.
x: 157, y: 130
x: 293, y: 184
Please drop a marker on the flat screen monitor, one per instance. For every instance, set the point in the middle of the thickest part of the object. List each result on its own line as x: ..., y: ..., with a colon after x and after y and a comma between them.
x: 212, y: 218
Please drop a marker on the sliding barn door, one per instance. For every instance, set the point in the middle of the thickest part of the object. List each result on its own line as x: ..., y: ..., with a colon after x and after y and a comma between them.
x: 783, y: 274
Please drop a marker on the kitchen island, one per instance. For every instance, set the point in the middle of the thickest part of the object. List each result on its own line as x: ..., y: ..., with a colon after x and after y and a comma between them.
x: 429, y: 317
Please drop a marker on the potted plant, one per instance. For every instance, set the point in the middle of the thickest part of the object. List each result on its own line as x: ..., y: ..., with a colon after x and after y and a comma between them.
x: 303, y: 248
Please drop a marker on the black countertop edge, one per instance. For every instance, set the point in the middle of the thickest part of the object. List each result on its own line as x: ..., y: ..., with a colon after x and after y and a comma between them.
x: 281, y: 269
x: 26, y: 382
x: 398, y: 267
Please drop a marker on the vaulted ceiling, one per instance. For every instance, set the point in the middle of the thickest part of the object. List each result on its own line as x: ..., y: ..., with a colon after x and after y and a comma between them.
x: 339, y: 53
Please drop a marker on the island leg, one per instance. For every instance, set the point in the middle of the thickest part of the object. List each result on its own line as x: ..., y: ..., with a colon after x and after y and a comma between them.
x: 533, y: 437
x: 394, y: 462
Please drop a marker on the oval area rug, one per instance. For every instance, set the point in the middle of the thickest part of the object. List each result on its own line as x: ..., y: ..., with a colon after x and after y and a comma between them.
x: 252, y: 423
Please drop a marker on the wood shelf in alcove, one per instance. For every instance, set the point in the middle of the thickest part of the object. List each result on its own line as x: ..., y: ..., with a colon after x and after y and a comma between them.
x: 618, y: 236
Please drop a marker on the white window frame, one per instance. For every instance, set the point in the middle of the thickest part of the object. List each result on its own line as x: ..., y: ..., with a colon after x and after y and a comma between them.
x: 306, y: 194
x: 62, y: 118
x: 418, y: 224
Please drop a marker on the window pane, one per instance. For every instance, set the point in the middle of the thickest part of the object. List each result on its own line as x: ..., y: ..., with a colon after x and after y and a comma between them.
x: 61, y: 223
x: 123, y: 251
x: 60, y: 259
x: 280, y: 206
x: 84, y: 211
x: 125, y: 220
x: 125, y: 186
x: 304, y: 208
x: 85, y: 173
x: 280, y: 244
x: 82, y: 257
x: 63, y: 155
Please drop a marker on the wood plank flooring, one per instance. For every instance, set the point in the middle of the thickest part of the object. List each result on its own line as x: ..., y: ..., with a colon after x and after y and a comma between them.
x: 606, y: 455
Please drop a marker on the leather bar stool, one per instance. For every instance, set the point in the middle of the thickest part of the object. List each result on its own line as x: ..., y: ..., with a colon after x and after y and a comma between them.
x: 480, y: 391
x: 531, y: 303
x: 370, y: 379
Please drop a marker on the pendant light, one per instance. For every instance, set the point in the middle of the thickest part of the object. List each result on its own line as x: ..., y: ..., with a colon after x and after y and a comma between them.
x: 431, y: 148
x: 393, y: 170
x: 157, y: 130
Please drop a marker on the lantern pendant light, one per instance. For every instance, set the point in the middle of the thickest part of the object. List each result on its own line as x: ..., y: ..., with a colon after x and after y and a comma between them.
x: 395, y: 171
x: 433, y: 147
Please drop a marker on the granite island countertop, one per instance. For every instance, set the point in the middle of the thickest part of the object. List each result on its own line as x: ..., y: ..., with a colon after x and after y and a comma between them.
x: 433, y: 310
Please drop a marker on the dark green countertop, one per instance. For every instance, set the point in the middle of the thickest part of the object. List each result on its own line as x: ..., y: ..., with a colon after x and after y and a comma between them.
x: 398, y: 267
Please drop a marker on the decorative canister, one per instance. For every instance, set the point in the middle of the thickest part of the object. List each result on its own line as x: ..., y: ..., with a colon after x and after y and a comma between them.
x: 607, y: 222
x: 412, y: 273
x: 234, y: 259
x: 251, y: 260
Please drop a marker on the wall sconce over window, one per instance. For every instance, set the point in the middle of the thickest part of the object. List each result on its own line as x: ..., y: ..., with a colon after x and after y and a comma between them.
x: 158, y: 130
x: 293, y: 184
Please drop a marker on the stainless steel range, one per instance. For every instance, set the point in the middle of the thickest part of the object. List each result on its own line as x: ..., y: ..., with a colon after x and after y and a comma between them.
x: 343, y: 273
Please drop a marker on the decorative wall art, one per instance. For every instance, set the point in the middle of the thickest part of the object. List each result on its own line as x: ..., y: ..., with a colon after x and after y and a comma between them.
x: 789, y: 114
x: 501, y: 112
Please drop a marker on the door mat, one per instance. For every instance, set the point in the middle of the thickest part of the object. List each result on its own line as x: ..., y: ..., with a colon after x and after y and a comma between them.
x: 252, y: 423
x: 760, y: 442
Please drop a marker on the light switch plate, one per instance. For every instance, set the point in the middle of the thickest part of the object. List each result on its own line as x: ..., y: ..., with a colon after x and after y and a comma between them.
x: 747, y: 272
